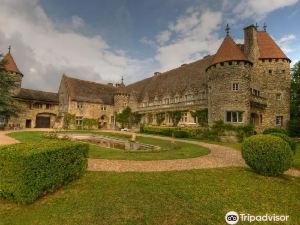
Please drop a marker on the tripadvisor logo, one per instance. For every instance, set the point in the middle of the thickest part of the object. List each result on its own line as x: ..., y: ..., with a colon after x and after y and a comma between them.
x: 232, y: 217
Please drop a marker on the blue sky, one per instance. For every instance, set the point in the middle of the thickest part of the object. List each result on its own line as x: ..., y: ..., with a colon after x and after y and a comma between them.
x: 103, y: 40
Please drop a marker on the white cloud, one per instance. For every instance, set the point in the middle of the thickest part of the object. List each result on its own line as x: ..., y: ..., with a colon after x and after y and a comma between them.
x: 197, y: 36
x: 77, y: 22
x: 163, y: 37
x: 147, y: 41
x: 286, y: 43
x: 286, y: 38
x: 44, y: 51
x: 257, y: 9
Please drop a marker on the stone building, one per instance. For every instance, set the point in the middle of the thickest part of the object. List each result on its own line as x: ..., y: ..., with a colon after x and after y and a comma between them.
x: 39, y: 109
x: 240, y: 84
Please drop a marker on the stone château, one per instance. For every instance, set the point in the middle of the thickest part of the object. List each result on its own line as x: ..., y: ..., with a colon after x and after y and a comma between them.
x: 240, y: 84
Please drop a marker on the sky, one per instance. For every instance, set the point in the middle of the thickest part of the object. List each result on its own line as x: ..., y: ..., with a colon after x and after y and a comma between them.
x: 104, y: 40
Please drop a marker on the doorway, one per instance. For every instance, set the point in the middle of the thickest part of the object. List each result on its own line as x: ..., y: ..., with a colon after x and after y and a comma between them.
x: 28, y: 124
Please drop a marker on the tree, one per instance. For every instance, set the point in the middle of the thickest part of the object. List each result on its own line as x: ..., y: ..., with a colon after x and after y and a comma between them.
x: 69, y: 119
x: 294, y: 123
x: 124, y: 118
x: 8, y: 83
x: 89, y: 123
x: 136, y: 117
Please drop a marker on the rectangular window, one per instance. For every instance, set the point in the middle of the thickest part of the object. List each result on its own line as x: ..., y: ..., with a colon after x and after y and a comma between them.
x: 184, y: 117
x: 278, y: 96
x: 103, y: 107
x: 279, y: 120
x: 79, y: 105
x: 79, y: 120
x: 176, y: 99
x: 234, y: 117
x: 235, y: 86
x: 2, y: 120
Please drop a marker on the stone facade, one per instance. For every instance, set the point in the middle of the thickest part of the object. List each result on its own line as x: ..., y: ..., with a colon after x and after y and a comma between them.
x: 240, y: 84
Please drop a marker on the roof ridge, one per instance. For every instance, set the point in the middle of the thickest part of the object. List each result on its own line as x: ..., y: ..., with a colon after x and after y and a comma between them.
x: 39, y: 91
x: 88, y: 81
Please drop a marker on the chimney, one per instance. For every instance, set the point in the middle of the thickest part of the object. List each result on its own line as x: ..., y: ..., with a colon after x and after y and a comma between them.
x: 250, y: 43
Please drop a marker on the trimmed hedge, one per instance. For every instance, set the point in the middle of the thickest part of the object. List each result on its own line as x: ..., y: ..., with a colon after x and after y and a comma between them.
x: 289, y: 140
x: 180, y: 134
x: 31, y: 170
x: 267, y: 154
x: 275, y: 130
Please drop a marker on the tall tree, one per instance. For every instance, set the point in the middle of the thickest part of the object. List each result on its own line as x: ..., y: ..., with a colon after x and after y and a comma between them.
x: 294, y: 123
x: 8, y: 106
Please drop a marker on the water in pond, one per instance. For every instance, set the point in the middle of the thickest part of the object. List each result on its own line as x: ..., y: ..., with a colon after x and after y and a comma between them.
x: 110, y: 142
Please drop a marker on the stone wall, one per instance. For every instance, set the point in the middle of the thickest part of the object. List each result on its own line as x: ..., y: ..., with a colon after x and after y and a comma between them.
x: 221, y: 97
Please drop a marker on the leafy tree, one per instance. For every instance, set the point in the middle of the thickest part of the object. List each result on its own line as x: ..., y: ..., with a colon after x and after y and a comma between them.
x: 69, y: 119
x: 202, y: 116
x: 160, y: 117
x: 294, y: 123
x: 124, y: 118
x: 8, y: 106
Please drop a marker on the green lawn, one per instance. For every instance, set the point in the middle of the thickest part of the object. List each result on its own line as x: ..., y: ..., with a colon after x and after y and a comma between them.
x: 186, y: 197
x: 169, y: 150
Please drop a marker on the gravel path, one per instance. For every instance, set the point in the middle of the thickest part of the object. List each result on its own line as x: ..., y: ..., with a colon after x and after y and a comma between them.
x: 219, y: 156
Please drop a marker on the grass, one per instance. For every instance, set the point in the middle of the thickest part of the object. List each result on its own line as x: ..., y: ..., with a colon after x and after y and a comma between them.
x: 169, y: 150
x: 185, y: 197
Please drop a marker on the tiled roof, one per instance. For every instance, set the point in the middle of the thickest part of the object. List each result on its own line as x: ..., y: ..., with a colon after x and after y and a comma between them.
x: 228, y: 51
x: 28, y: 94
x: 10, y: 64
x: 189, y: 77
x: 268, y: 49
x: 87, y: 91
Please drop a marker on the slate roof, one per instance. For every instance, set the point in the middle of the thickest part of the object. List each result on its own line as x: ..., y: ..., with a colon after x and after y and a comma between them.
x: 34, y: 95
x: 177, y: 81
x: 228, y: 51
x: 268, y: 49
x: 10, y: 65
x: 87, y: 91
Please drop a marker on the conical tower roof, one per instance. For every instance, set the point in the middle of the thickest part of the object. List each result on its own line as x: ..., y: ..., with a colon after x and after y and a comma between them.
x: 228, y: 51
x: 10, y: 65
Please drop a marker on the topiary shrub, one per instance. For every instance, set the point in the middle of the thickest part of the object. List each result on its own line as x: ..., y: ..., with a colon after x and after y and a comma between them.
x: 275, y: 130
x: 267, y: 154
x: 180, y: 134
x: 31, y: 170
x: 289, y: 140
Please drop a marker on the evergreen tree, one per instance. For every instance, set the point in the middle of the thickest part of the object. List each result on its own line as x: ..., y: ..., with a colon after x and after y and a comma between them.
x: 8, y: 84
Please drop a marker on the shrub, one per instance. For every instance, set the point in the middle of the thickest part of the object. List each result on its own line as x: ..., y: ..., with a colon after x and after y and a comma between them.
x: 31, y: 170
x: 289, y: 140
x: 180, y: 134
x: 275, y: 130
x: 267, y: 154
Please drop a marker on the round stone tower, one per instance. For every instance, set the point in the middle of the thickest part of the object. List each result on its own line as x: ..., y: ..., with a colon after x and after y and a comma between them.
x: 229, y: 84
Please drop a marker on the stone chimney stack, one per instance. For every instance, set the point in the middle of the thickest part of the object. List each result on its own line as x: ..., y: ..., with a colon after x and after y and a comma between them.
x: 250, y: 40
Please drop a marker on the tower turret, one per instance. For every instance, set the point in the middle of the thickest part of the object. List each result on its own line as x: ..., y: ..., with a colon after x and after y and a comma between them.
x: 121, y: 97
x: 228, y: 84
x: 12, y: 69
